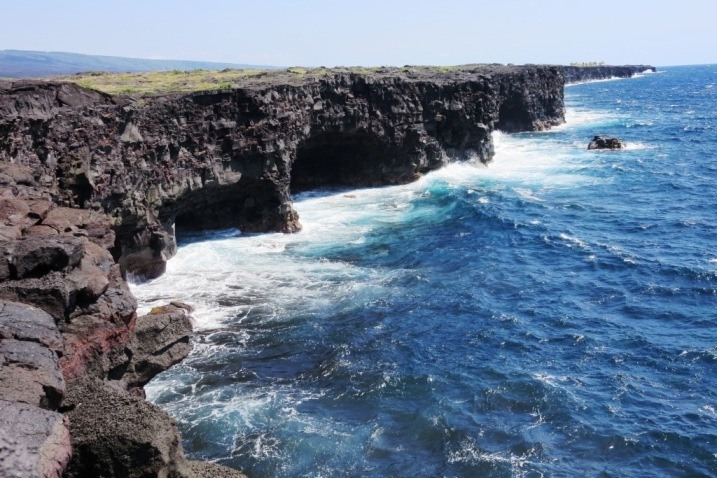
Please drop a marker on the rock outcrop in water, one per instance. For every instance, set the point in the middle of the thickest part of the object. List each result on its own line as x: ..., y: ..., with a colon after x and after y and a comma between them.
x: 606, y: 142
x: 91, y: 186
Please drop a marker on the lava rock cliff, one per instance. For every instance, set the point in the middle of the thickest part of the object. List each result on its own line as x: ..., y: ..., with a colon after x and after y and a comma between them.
x: 92, y: 187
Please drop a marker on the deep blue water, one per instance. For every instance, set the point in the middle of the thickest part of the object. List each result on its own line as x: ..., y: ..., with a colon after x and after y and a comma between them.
x: 551, y: 314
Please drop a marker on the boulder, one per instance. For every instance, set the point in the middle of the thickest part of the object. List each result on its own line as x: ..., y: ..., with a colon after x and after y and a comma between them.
x: 118, y: 434
x: 33, y: 442
x: 35, y: 256
x: 23, y: 322
x: 30, y: 373
x: 606, y: 142
x: 162, y: 339
x: 29, y: 362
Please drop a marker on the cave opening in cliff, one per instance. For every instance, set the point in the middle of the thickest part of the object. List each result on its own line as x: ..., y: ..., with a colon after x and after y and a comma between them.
x: 340, y: 160
x: 246, y: 205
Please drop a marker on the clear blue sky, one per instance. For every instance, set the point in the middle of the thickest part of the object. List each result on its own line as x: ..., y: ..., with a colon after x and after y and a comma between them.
x: 370, y: 32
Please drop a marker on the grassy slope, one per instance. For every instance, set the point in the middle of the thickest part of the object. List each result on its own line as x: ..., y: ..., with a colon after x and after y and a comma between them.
x: 177, y: 81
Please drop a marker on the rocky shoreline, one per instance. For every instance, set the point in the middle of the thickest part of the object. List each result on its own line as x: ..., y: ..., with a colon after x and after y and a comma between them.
x: 92, y: 187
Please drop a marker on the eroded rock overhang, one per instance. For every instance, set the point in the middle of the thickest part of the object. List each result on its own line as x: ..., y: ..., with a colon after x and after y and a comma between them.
x: 233, y: 157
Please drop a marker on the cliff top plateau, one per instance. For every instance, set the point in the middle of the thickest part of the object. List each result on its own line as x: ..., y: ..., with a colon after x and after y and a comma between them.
x: 178, y: 81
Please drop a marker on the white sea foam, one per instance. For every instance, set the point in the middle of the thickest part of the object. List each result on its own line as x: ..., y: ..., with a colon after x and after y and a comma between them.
x: 228, y: 276
x: 637, y: 146
x: 469, y: 452
x: 601, y: 80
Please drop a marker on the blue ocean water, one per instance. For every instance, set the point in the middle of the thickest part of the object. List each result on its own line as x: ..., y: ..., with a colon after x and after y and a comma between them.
x: 551, y: 314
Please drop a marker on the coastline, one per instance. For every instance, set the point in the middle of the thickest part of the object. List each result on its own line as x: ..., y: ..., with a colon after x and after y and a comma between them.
x: 66, y: 257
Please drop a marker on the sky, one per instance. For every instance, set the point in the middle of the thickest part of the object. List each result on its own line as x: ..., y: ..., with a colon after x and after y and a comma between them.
x: 370, y: 32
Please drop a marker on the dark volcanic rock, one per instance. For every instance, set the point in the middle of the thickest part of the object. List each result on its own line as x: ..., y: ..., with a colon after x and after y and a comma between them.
x: 117, y: 434
x: 606, y: 142
x: 36, y: 256
x: 233, y: 157
x: 579, y: 74
x: 161, y: 339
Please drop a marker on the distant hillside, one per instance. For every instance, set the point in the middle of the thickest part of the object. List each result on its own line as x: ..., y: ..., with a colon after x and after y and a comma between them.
x: 27, y: 64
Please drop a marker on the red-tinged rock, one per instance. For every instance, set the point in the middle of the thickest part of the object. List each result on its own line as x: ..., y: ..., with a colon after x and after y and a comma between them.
x: 73, y: 222
x: 14, y: 212
x: 41, y: 230
x: 94, y: 346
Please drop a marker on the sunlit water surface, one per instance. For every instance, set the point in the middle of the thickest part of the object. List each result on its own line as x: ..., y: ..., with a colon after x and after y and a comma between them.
x: 551, y: 314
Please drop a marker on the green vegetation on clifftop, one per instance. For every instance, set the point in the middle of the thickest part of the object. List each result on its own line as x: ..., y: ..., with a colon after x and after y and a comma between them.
x: 181, y: 81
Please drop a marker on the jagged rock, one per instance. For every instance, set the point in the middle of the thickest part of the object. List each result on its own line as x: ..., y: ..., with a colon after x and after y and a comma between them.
x: 35, y: 256
x: 577, y: 74
x: 606, y: 142
x: 41, y: 101
x: 232, y: 158
x: 118, y: 434
x: 33, y: 442
x: 161, y: 340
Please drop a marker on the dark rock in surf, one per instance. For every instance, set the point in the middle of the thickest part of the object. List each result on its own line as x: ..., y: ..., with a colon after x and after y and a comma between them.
x: 161, y: 339
x: 606, y: 142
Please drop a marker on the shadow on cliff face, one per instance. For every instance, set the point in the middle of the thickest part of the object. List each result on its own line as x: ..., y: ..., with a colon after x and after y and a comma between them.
x: 340, y: 159
x: 249, y: 205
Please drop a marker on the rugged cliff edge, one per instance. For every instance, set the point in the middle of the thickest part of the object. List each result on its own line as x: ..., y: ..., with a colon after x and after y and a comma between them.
x: 92, y: 187
x: 579, y: 74
x: 232, y: 157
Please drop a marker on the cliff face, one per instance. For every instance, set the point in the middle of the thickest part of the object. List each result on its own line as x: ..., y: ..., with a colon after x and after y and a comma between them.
x: 233, y: 157
x: 91, y: 184
x: 579, y: 74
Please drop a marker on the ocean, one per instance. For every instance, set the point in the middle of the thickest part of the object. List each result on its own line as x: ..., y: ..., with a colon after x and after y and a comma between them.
x: 552, y: 313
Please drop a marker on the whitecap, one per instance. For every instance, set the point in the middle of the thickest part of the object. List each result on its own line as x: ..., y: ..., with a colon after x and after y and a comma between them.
x: 574, y: 241
x: 527, y: 194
